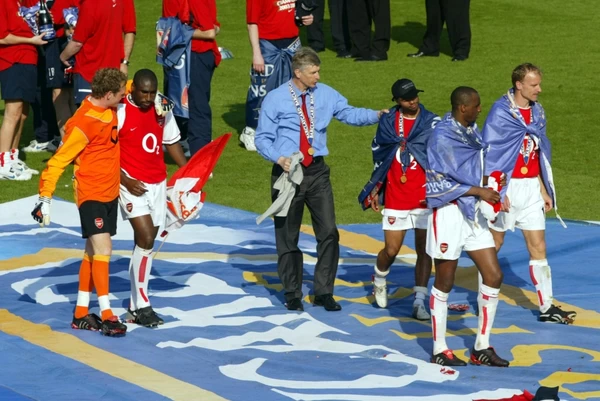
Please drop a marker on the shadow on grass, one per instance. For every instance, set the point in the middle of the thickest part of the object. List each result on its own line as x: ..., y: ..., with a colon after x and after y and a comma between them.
x: 412, y: 33
x: 235, y: 118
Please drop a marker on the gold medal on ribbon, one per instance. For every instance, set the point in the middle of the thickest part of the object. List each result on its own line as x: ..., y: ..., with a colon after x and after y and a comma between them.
x: 403, y: 179
x: 311, y: 151
x: 524, y: 170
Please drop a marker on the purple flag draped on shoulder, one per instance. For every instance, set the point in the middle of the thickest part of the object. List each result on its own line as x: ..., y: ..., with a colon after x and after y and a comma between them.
x: 504, y: 132
x: 278, y: 70
x: 173, y: 53
x: 387, y: 142
x: 455, y: 164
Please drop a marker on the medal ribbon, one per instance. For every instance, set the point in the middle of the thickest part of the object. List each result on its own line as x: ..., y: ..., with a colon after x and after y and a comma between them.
x: 309, y: 131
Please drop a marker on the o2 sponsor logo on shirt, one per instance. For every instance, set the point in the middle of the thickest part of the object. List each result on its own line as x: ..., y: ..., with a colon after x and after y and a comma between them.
x: 150, y: 143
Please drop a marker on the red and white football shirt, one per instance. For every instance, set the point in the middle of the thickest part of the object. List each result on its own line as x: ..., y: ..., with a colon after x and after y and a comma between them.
x: 100, y: 29
x: 142, y: 134
x: 410, y: 194
x: 275, y: 19
x: 531, y: 169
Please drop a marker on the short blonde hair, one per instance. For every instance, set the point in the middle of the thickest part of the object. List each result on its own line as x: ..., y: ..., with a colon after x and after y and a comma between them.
x: 519, y: 73
x: 107, y: 80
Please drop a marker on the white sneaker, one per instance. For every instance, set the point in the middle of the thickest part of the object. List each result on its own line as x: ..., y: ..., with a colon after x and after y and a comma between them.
x: 36, y: 147
x: 24, y: 168
x: 8, y: 172
x: 420, y: 312
x: 381, y: 295
x: 247, y: 139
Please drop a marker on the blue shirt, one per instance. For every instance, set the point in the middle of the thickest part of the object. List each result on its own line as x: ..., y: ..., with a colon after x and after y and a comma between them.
x: 278, y: 132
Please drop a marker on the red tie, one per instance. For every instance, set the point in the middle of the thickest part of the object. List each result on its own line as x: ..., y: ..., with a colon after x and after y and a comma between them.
x: 304, y: 144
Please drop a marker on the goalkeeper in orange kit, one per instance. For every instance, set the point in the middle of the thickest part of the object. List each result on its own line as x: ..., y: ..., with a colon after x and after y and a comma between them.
x: 91, y: 141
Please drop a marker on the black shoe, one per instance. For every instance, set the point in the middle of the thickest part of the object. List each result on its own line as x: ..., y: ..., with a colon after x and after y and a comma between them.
x: 112, y: 327
x: 295, y: 304
x: 459, y: 58
x: 372, y: 57
x: 144, y: 317
x: 422, y: 54
x: 344, y: 54
x: 90, y: 322
x: 447, y: 358
x: 488, y: 357
x: 327, y: 302
x: 556, y: 315
x: 318, y: 49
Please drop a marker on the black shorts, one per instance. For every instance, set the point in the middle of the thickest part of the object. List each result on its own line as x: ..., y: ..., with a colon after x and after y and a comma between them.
x: 19, y: 82
x: 98, y: 217
x: 55, y: 69
x: 82, y: 88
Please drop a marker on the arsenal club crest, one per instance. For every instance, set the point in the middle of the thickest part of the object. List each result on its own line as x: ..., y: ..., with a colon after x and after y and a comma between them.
x: 99, y: 223
x: 443, y: 247
x: 129, y: 207
x: 391, y: 220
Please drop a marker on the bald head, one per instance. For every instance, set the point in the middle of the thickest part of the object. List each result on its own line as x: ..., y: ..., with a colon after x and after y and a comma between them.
x: 466, y: 105
x: 462, y: 96
x: 145, y: 75
x: 144, y: 88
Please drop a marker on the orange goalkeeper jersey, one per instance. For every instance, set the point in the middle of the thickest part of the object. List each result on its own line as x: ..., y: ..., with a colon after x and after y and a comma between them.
x: 91, y: 141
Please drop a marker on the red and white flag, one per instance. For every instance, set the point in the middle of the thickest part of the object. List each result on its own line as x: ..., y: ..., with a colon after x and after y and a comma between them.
x: 185, y: 197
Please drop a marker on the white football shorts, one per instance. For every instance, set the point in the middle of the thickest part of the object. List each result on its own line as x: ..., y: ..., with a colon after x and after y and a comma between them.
x: 402, y: 220
x: 449, y: 233
x: 526, y: 207
x: 153, y: 202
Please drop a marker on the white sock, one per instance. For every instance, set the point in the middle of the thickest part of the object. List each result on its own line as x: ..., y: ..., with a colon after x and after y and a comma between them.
x: 488, y: 303
x: 141, y: 264
x: 420, y: 294
x: 438, y: 304
x: 379, y: 279
x: 541, y: 277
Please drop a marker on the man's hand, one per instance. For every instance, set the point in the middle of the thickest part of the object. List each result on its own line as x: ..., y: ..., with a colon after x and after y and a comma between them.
x: 258, y: 63
x: 547, y: 201
x: 488, y: 195
x: 163, y: 104
x: 375, y: 203
x: 217, y: 29
x: 308, y: 19
x: 382, y: 112
x: 124, y: 68
x: 38, y: 40
x: 41, y: 211
x: 505, y: 204
x: 135, y: 187
x: 285, y: 163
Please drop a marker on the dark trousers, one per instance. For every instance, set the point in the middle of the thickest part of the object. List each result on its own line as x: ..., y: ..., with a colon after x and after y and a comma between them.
x: 45, y: 126
x: 202, y: 67
x: 456, y: 15
x: 314, y: 191
x: 338, y: 23
x: 361, y: 14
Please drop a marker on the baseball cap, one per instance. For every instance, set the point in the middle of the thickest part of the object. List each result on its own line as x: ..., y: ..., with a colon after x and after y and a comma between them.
x: 404, y: 89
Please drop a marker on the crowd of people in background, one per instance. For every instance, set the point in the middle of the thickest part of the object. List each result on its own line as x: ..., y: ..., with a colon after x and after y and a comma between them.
x: 458, y: 188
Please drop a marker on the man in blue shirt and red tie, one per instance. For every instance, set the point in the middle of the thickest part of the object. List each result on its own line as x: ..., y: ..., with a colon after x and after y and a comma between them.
x: 294, y: 117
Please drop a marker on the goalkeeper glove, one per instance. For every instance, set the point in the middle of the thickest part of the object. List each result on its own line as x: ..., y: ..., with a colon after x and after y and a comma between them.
x: 41, y: 212
x: 163, y: 104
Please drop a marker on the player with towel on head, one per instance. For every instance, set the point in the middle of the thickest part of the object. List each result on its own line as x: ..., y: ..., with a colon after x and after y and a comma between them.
x: 398, y: 182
